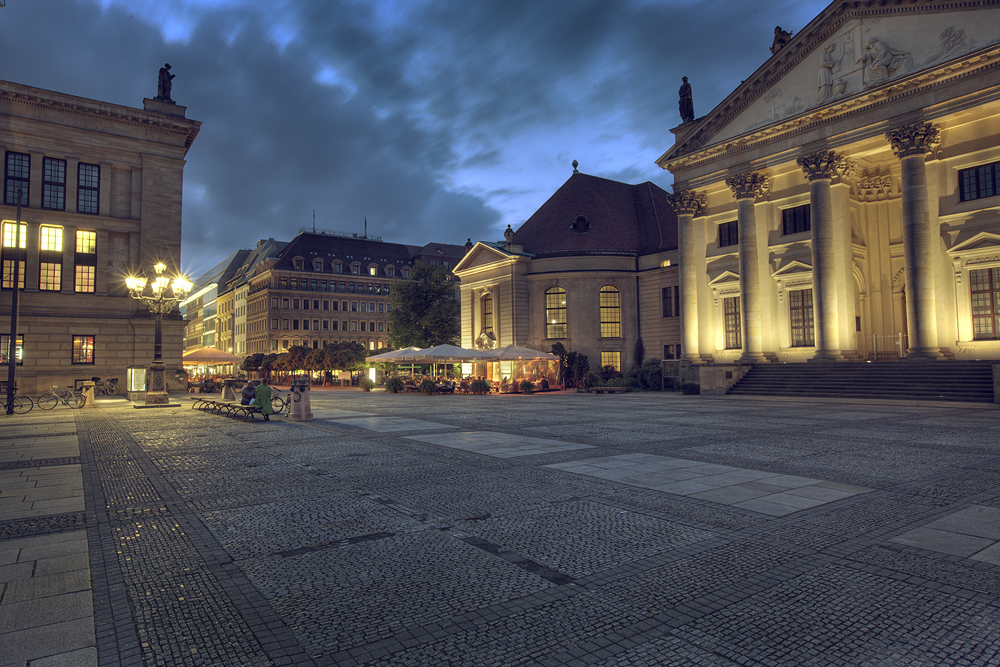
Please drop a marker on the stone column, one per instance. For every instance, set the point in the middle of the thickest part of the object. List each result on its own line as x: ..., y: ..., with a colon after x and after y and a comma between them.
x: 911, y: 144
x: 747, y: 188
x: 687, y: 204
x: 820, y: 168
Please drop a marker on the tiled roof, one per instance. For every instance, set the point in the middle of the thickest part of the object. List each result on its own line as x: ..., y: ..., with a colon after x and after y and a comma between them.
x: 348, y: 249
x: 589, y: 214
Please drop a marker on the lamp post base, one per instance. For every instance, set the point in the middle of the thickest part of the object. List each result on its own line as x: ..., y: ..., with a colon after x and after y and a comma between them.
x: 157, y: 392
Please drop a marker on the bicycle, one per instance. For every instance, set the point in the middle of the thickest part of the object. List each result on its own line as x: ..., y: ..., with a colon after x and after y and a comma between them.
x: 279, y: 404
x: 73, y: 399
x: 20, y: 404
x: 109, y: 387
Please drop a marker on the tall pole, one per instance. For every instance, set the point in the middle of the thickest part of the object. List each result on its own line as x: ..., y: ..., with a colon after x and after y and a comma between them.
x: 14, y: 306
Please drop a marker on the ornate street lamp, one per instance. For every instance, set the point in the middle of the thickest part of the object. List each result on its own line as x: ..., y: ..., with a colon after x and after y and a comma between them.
x: 158, y: 303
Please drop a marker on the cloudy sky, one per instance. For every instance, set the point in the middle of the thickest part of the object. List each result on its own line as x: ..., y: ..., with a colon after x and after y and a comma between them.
x: 438, y: 120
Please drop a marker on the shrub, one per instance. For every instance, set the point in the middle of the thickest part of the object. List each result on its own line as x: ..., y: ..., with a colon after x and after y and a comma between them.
x: 479, y: 387
x: 622, y: 382
x: 589, y: 380
x: 427, y: 387
x: 608, y: 372
x: 690, y: 388
x: 671, y: 384
x: 527, y: 387
x: 367, y: 384
x: 651, y: 374
x: 394, y: 385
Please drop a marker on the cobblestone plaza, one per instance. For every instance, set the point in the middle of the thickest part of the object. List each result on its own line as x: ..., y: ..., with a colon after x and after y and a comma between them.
x: 560, y: 529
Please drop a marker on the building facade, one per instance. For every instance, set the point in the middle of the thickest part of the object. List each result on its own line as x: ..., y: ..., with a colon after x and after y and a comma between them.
x: 595, y: 268
x: 328, y: 287
x: 843, y: 203
x: 100, y: 188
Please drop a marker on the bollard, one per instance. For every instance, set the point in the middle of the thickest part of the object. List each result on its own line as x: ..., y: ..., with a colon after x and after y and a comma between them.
x: 301, y: 409
x: 88, y: 394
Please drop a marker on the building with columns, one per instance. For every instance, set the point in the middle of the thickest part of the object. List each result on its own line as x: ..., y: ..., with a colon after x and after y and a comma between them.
x: 844, y: 202
x: 594, y: 268
x: 101, y: 189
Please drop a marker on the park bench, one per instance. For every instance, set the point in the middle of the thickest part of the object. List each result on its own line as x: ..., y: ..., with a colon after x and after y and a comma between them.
x: 227, y: 408
x: 608, y: 390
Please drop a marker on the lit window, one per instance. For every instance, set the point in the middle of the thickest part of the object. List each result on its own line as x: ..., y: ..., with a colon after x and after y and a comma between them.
x: 18, y: 349
x: 372, y: 270
x: 8, y: 274
x: 487, y: 311
x: 53, y: 183
x: 10, y: 230
x: 610, y: 312
x: 50, y: 276
x: 555, y: 313
x: 86, y: 242
x: 83, y: 349
x: 88, y: 188
x: 50, y: 239
x: 613, y: 359
x: 85, y: 278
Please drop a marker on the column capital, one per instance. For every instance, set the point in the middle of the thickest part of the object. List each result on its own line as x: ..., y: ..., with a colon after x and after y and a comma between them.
x: 688, y: 202
x: 914, y: 139
x: 751, y: 185
x: 825, y: 164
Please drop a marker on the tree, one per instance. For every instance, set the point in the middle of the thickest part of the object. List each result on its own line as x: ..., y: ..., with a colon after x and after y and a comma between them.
x: 424, y: 311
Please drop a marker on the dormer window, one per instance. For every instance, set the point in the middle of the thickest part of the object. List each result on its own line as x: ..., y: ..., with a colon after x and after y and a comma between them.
x: 373, y: 269
x: 580, y: 225
x: 390, y: 271
x: 338, y: 267
x: 317, y: 265
x: 298, y: 263
x: 355, y: 269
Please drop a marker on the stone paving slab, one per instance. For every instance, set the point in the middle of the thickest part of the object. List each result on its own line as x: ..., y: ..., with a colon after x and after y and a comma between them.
x: 565, y: 529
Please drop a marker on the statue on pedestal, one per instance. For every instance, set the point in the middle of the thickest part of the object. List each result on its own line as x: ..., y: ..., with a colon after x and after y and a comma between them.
x: 686, y: 102
x: 781, y: 37
x: 164, y: 84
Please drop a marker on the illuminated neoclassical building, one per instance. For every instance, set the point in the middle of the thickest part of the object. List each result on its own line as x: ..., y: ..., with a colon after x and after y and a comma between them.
x: 594, y: 268
x: 845, y: 199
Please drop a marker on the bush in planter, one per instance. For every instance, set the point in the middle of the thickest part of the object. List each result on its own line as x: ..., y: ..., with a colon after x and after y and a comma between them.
x: 367, y: 384
x: 394, y: 385
x: 690, y: 388
x: 427, y: 387
x: 622, y: 382
x: 527, y: 387
x: 479, y: 387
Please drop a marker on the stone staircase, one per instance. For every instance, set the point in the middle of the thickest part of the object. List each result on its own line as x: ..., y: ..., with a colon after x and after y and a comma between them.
x: 970, y: 381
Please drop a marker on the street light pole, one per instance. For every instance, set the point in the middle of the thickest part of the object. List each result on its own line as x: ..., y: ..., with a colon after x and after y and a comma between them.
x: 15, y: 305
x: 159, y: 304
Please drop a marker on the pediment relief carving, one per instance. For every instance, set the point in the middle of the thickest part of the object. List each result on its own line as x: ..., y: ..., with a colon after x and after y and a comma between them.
x: 855, y: 52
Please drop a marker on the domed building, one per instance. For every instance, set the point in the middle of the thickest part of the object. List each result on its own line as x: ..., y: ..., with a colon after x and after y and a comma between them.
x: 594, y: 268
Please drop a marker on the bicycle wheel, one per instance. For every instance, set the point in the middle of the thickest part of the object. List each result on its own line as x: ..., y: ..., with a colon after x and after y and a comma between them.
x: 112, y: 390
x: 277, y: 404
x: 76, y: 400
x: 22, y: 404
x: 47, y: 401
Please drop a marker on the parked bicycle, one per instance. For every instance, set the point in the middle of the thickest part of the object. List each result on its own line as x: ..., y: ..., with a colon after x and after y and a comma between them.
x: 19, y: 404
x: 73, y: 399
x: 281, y: 404
x: 109, y: 387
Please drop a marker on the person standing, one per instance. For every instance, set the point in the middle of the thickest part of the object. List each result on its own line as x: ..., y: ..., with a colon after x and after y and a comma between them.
x: 262, y: 399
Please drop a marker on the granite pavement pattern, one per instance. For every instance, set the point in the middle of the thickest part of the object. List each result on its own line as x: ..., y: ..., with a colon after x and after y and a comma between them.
x: 560, y: 529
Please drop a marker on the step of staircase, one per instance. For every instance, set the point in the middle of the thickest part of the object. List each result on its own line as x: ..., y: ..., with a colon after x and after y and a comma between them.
x: 967, y: 381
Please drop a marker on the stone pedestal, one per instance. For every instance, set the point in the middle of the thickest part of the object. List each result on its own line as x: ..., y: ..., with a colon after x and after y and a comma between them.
x: 229, y: 390
x: 156, y: 393
x: 301, y: 410
x: 88, y: 394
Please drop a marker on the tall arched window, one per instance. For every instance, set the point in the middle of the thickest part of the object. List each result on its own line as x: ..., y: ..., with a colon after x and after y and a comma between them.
x: 611, y: 321
x: 487, y: 311
x: 555, y: 312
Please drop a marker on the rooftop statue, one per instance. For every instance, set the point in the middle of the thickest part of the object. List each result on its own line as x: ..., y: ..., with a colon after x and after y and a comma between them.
x: 781, y: 37
x: 686, y: 102
x: 164, y: 84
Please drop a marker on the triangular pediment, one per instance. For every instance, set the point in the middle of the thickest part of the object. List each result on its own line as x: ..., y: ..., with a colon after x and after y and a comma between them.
x: 980, y: 244
x: 793, y: 269
x: 480, y: 256
x: 724, y: 278
x: 836, y: 63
